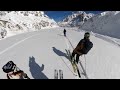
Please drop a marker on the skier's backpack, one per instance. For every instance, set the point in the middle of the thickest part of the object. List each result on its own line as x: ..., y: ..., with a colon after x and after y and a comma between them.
x: 9, y: 66
x: 87, y: 46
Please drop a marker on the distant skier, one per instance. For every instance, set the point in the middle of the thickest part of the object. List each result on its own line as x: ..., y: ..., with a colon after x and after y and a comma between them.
x: 64, y: 32
x: 2, y: 34
x: 83, y: 47
x: 13, y: 72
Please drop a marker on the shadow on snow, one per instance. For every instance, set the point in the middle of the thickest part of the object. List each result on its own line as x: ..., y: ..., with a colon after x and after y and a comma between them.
x: 36, y: 70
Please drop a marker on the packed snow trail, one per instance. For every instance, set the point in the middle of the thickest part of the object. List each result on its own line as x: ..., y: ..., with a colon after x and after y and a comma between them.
x: 66, y: 63
x: 16, y: 44
x: 41, y: 54
x: 37, y: 53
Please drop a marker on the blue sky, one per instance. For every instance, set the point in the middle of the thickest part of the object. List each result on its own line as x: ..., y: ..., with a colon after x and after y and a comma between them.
x: 59, y: 15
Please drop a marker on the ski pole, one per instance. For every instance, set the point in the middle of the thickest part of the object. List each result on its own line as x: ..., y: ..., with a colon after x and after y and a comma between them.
x: 85, y: 62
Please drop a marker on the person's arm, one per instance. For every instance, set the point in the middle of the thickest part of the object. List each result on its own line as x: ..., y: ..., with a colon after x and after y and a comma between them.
x: 25, y: 76
x: 8, y: 77
x: 79, y: 46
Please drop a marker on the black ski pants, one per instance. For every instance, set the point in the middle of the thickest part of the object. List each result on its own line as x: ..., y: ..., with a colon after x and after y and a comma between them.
x: 77, y: 56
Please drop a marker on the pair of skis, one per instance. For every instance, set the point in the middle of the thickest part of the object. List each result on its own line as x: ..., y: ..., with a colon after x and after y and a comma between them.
x: 58, y: 76
x: 73, y: 63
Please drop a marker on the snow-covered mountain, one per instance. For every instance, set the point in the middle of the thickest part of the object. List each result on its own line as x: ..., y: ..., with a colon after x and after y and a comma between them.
x: 13, y: 21
x: 106, y: 23
x: 48, y: 53
x: 76, y: 19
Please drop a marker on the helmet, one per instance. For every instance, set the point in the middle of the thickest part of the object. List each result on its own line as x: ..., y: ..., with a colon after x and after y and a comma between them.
x: 10, y: 66
x: 87, y: 35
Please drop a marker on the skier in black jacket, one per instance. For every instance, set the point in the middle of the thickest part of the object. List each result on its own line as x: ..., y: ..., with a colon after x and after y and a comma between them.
x: 64, y: 32
x: 83, y: 47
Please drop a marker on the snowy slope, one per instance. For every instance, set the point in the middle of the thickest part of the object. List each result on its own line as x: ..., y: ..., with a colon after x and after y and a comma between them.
x: 48, y: 50
x: 102, y: 62
x: 106, y: 23
x: 75, y: 19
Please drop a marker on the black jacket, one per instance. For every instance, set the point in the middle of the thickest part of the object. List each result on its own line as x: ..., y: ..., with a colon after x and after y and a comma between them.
x: 84, y: 46
x: 64, y: 31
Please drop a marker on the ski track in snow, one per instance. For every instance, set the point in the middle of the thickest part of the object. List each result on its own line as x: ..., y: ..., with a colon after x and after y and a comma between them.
x: 108, y: 39
x: 66, y: 64
x: 68, y: 48
x: 16, y: 44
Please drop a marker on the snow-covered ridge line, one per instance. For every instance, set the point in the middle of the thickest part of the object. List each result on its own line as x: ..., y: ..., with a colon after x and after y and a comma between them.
x: 105, y: 23
x: 17, y: 21
x: 75, y: 19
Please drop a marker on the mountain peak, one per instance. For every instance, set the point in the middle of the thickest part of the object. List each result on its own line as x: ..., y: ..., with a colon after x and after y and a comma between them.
x: 75, y: 19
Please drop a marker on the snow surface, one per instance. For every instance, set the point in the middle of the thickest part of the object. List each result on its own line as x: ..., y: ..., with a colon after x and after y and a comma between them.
x: 39, y: 53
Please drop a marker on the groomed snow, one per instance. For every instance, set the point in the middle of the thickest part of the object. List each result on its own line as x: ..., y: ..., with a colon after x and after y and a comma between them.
x: 48, y: 50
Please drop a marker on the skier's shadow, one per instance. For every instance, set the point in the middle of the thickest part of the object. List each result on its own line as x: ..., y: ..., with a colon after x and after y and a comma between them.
x: 36, y: 70
x: 59, y: 53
